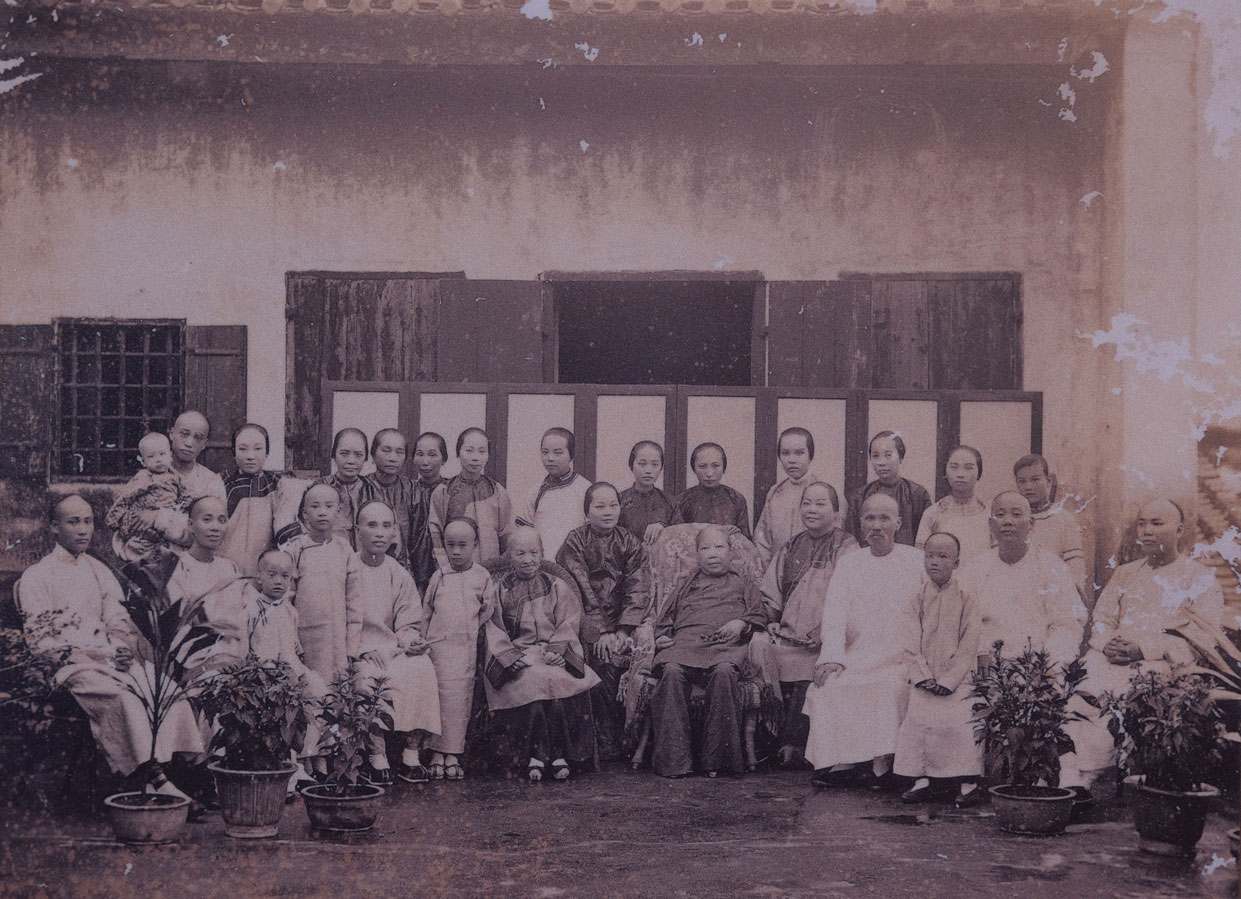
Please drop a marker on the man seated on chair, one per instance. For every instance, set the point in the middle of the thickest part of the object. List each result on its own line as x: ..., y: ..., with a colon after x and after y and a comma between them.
x: 700, y: 639
x: 84, y: 597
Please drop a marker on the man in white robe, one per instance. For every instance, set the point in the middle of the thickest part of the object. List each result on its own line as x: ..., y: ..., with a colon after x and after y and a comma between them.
x: 189, y: 435
x: 86, y: 600
x: 1142, y: 600
x: 860, y: 690
x: 1025, y: 593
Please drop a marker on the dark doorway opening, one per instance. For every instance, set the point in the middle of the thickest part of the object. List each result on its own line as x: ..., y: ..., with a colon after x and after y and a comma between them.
x: 655, y: 332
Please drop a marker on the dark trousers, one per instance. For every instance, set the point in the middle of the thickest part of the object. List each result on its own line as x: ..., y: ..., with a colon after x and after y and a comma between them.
x: 795, y: 726
x: 551, y: 729
x: 609, y: 711
x: 721, y: 724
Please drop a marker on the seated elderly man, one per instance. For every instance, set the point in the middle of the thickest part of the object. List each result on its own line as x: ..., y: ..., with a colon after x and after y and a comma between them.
x: 1143, y: 598
x: 860, y: 690
x: 537, y: 680
x: 700, y: 638
x: 1025, y: 593
x: 85, y: 599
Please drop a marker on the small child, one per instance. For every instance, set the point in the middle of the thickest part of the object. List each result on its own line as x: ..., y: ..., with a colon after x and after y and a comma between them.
x: 887, y: 452
x: 471, y: 494
x: 645, y: 509
x: 388, y: 643
x: 458, y: 603
x: 321, y: 559
x: 941, y: 627
x: 608, y: 564
x: 430, y: 454
x: 554, y: 508
x: 712, y: 501
x: 781, y: 520
x: 150, y: 509
x: 960, y: 513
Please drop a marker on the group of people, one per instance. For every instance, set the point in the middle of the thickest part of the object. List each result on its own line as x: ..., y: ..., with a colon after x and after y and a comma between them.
x: 865, y: 616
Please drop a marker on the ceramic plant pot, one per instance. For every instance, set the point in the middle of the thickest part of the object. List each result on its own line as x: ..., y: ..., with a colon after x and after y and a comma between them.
x: 1041, y: 811
x: 357, y: 810
x: 1170, y: 822
x: 251, y: 802
x: 150, y: 818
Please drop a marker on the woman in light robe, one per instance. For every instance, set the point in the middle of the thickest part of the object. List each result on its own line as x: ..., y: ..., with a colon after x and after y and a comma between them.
x: 781, y: 520
x: 960, y: 513
x: 261, y: 504
x: 472, y: 494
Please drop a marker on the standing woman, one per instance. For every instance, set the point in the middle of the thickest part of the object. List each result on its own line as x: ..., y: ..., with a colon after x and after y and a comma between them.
x: 261, y: 513
x: 960, y: 513
x: 645, y: 509
x: 430, y: 454
x: 349, y: 454
x: 472, y: 494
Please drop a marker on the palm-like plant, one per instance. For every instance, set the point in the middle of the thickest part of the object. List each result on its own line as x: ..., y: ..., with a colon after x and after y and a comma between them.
x: 1220, y: 658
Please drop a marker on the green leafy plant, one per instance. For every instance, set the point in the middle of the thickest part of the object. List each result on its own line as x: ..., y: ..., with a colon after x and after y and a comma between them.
x: 28, y: 687
x: 1169, y: 728
x: 260, y: 710
x: 351, y: 708
x: 1021, y: 713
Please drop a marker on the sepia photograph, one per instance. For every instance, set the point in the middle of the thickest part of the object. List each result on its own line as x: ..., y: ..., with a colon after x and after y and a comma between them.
x: 620, y: 448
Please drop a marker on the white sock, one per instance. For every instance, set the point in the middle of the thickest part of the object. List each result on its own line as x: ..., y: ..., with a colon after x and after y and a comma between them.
x: 967, y: 788
x: 410, y: 757
x: 168, y: 788
x: 921, y: 783
x: 881, y: 765
x: 379, y: 762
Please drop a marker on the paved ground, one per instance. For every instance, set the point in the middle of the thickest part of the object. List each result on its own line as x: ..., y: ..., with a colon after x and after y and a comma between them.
x: 618, y: 833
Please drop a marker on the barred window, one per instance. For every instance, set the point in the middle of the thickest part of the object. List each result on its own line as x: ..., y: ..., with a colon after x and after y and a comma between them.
x: 118, y: 379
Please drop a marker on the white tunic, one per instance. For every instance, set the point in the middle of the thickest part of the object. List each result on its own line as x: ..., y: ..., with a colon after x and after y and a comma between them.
x: 1033, y: 600
x: 969, y: 522
x: 86, y: 599
x: 855, y: 716
x: 1058, y: 531
x: 780, y: 520
x: 456, y: 606
x: 558, y: 511
x: 202, y: 481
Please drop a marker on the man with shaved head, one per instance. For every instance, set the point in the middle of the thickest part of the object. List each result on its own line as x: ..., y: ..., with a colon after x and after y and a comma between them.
x: 1026, y: 593
x: 700, y: 639
x: 82, y: 596
x: 860, y: 692
x: 188, y: 436
x: 1142, y: 599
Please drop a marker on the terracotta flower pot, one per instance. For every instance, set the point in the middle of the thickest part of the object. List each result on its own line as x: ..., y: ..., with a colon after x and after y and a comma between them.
x: 153, y: 818
x: 1170, y: 822
x: 1040, y: 811
x: 355, y: 811
x: 251, y: 802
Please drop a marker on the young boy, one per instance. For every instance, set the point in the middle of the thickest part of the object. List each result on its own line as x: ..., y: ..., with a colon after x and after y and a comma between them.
x: 555, y: 508
x: 941, y: 625
x: 150, y: 510
x: 887, y: 452
x: 712, y: 501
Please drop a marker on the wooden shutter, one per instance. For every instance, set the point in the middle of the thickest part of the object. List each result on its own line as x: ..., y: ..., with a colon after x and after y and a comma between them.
x: 27, y: 401
x: 215, y: 384
x: 900, y: 334
x: 819, y: 333
x: 975, y: 333
x: 490, y: 331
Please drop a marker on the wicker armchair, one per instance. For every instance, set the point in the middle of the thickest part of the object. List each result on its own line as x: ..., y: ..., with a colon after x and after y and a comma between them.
x: 671, y: 561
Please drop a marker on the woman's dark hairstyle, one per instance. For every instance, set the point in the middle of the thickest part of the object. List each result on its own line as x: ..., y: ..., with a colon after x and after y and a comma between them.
x: 592, y: 490
x: 1032, y: 459
x: 969, y: 449
x: 383, y: 432
x: 831, y: 491
x: 342, y: 432
x: 252, y: 427
x: 466, y: 433
x: 373, y: 502
x: 796, y: 432
x: 642, y: 444
x: 888, y: 435
x: 569, y: 439
x: 693, y: 457
x: 468, y: 520
x: 438, y: 440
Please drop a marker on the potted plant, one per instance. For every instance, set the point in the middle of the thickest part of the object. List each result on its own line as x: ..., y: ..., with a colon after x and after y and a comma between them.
x: 32, y: 703
x: 1020, y: 717
x: 160, y: 677
x: 259, y: 709
x: 1172, y: 735
x: 352, y: 707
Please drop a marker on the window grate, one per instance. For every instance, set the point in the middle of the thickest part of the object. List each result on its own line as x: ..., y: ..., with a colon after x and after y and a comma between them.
x: 117, y: 380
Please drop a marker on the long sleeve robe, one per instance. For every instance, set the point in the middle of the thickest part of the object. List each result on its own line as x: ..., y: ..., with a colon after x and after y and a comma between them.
x: 780, y: 520
x: 720, y: 505
x: 421, y: 549
x: 641, y: 510
x: 911, y: 499
x: 969, y: 522
x: 702, y: 605
x: 456, y: 606
x: 609, y: 570
x: 854, y: 717
x: 391, y: 619
x: 353, y: 496
x: 940, y: 627
x: 554, y: 508
x: 202, y: 481
x: 484, y: 500
x: 1058, y: 530
x: 531, y: 617
x: 255, y: 503
x: 87, y: 600
x: 401, y: 495
x: 325, y: 614
x: 1032, y: 600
